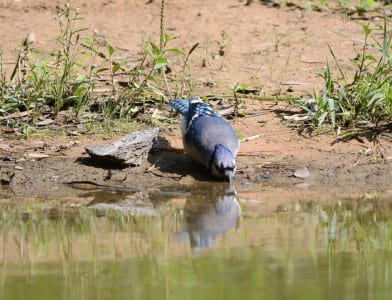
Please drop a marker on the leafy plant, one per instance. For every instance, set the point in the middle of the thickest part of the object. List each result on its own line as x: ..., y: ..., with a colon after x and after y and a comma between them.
x: 67, y: 87
x: 146, y: 81
x: 367, y: 99
x: 36, y: 82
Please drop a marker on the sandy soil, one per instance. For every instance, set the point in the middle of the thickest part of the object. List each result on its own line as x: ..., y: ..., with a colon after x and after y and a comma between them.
x: 279, y: 50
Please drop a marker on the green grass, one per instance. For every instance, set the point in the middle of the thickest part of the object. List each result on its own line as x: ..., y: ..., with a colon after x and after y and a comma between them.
x: 366, y: 99
x: 89, y: 76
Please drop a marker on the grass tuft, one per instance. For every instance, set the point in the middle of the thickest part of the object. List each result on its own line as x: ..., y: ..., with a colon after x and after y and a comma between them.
x: 367, y: 99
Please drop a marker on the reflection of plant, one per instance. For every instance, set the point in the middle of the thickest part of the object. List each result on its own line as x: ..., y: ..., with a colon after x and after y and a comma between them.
x: 39, y: 231
x: 362, y: 221
x: 280, y: 254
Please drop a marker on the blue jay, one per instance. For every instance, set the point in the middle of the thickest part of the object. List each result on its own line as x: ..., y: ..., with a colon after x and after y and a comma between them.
x: 207, y: 137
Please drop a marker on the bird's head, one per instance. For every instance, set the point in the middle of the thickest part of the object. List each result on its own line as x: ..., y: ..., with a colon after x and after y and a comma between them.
x: 222, y: 163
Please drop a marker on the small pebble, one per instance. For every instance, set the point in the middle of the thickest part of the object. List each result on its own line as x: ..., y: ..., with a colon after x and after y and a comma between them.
x: 302, y: 172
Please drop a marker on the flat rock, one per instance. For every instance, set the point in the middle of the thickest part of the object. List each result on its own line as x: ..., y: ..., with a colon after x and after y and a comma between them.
x: 130, y: 150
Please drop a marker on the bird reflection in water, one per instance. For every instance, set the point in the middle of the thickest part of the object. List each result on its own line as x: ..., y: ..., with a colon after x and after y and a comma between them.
x: 209, y: 214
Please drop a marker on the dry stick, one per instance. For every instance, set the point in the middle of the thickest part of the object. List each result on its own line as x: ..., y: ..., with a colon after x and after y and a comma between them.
x: 93, y: 56
x: 253, y: 153
x: 166, y: 83
x: 253, y: 97
x: 112, y: 76
x: 17, y: 115
x: 162, y: 44
x: 250, y: 138
x: 15, y: 69
x: 2, y: 78
x: 21, y: 55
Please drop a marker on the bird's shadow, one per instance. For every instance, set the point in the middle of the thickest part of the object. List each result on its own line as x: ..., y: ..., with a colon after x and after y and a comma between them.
x: 174, y: 161
x: 163, y: 159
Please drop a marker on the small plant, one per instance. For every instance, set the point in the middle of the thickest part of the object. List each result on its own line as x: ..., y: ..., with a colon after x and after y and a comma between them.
x: 68, y: 88
x: 238, y: 103
x: 367, y: 99
x: 144, y: 78
x: 146, y: 82
x: 223, y: 42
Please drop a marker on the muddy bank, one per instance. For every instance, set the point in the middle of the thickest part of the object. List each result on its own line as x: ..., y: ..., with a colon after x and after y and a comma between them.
x: 48, y: 178
x: 41, y: 166
x: 275, y: 50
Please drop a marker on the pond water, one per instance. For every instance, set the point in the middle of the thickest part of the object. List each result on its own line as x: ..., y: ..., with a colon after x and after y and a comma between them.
x: 206, y: 243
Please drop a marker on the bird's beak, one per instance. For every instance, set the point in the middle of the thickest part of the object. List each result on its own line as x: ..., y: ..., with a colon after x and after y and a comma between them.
x: 231, y: 182
x: 229, y: 174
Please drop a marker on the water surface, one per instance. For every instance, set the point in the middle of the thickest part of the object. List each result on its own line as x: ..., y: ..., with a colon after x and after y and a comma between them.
x: 207, y: 243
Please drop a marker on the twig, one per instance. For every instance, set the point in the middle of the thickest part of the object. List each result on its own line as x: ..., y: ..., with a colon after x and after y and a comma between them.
x: 250, y: 138
x: 80, y: 185
x: 17, y: 115
x: 253, y: 153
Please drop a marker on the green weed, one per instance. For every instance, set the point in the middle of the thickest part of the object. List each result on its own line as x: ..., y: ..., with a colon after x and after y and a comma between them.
x: 88, y: 75
x: 367, y: 99
x: 36, y: 82
x: 238, y: 103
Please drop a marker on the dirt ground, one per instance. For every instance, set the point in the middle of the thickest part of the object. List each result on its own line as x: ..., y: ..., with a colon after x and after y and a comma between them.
x: 279, y: 50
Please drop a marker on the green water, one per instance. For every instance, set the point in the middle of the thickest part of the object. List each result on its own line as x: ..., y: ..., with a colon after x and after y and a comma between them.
x: 196, y: 245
